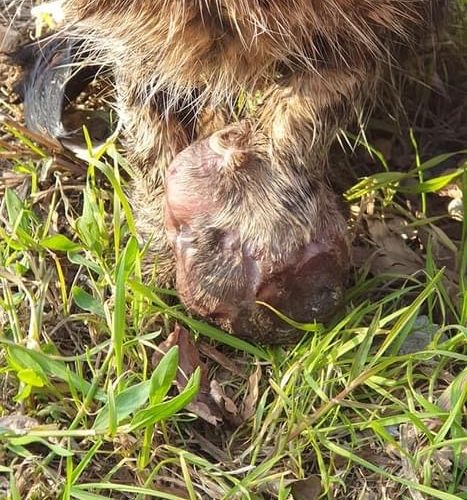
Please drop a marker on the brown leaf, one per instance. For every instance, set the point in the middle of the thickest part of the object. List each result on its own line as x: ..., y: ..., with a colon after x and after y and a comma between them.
x: 452, y: 190
x: 223, y: 401
x: 19, y: 424
x: 188, y: 355
x: 408, y: 442
x: 443, y: 458
x: 308, y: 489
x: 9, y: 39
x: 174, y: 491
x: 249, y: 404
x: 204, y: 405
x: 446, y: 401
x: 212, y: 449
x: 221, y: 359
x: 392, y: 255
x: 205, y: 410
x: 456, y: 210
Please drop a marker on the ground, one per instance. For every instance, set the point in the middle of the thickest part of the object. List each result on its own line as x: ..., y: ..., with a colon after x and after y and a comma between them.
x: 99, y: 373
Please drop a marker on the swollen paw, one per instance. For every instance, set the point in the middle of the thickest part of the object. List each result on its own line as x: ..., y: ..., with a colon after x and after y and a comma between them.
x: 244, y: 230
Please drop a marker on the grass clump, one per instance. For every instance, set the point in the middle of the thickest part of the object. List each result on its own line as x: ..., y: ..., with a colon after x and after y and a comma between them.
x: 371, y: 404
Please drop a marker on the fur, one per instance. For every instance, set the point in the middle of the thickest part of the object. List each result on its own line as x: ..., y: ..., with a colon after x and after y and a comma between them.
x: 312, y: 60
x: 291, y: 72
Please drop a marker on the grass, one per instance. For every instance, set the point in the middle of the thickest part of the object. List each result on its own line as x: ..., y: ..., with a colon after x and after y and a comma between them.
x: 87, y: 415
x: 368, y: 406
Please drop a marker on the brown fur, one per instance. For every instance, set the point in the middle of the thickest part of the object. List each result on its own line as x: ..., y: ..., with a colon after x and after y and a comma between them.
x: 181, y: 67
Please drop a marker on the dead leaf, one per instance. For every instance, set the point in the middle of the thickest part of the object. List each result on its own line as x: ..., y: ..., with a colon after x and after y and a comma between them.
x: 456, y: 209
x: 408, y: 443
x: 205, y: 410
x: 308, y: 489
x: 249, y: 404
x: 188, y: 355
x: 452, y: 190
x: 219, y: 396
x: 377, y: 456
x: 19, y: 424
x: 392, y: 254
x: 221, y: 359
x: 443, y: 458
x: 204, y: 405
x: 173, y: 491
x: 9, y: 39
x: 446, y: 401
x: 210, y: 448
